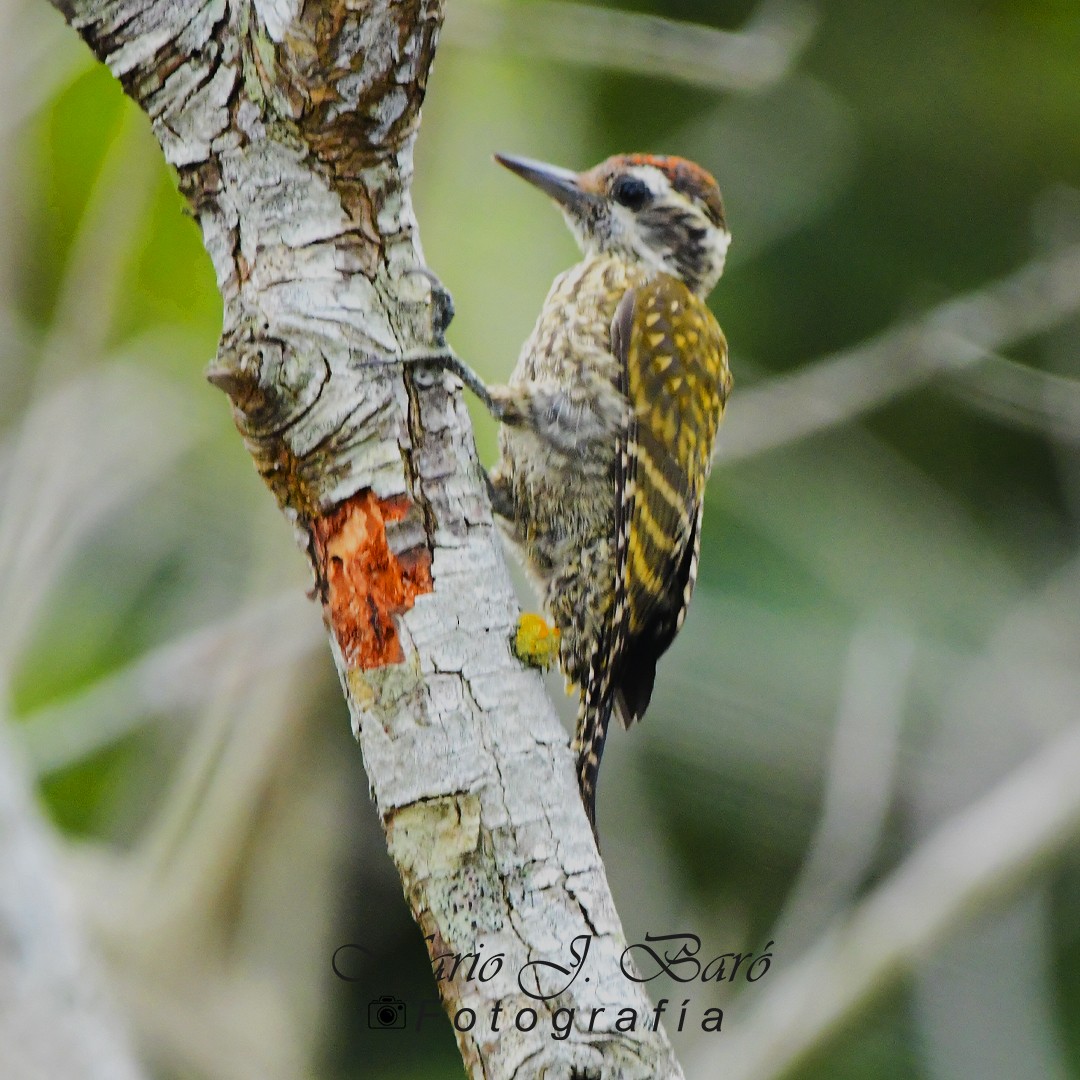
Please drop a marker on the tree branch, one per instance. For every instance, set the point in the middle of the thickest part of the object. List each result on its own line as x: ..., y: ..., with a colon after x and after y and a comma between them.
x: 961, y: 335
x: 972, y: 860
x: 291, y: 128
x: 752, y: 59
x: 55, y: 1018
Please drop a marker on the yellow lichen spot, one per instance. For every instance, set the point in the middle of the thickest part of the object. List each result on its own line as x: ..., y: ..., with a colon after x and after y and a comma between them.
x: 657, y: 339
x: 535, y: 642
x: 680, y: 341
x: 652, y: 318
x: 662, y: 362
x: 692, y: 336
x: 434, y: 835
x: 674, y: 384
x: 360, y: 687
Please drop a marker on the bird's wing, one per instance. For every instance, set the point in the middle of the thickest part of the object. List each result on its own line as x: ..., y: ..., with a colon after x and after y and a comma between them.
x: 674, y: 358
x: 673, y: 371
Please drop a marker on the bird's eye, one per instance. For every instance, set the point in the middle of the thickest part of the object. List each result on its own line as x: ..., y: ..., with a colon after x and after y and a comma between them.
x: 631, y: 192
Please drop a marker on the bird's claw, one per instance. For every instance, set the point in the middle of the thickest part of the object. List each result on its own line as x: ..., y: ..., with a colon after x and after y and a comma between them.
x: 448, y: 360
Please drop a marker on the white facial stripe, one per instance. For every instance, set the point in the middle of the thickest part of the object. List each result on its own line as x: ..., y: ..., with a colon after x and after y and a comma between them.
x: 657, y: 182
x: 723, y: 242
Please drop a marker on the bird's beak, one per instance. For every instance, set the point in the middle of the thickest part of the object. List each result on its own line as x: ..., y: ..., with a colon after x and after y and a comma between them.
x: 562, y: 185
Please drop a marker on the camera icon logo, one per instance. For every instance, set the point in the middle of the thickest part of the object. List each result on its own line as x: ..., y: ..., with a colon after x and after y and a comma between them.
x: 386, y: 1012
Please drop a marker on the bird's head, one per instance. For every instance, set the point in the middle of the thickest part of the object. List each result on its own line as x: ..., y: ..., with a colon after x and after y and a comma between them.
x: 662, y: 212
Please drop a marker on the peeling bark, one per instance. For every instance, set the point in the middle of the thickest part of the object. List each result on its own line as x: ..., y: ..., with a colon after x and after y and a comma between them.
x: 364, y: 585
x: 291, y: 128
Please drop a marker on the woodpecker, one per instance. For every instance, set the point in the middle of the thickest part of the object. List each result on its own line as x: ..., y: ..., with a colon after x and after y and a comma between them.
x: 608, y: 423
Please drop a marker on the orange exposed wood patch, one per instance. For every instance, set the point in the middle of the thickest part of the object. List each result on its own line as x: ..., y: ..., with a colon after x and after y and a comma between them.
x: 364, y: 583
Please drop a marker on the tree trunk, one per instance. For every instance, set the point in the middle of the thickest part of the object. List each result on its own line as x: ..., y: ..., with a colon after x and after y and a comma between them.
x: 291, y: 127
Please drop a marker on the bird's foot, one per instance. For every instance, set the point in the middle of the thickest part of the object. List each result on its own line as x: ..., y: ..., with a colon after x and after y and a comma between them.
x: 444, y: 357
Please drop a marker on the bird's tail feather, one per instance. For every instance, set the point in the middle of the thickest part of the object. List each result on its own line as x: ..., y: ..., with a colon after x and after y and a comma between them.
x: 592, y: 728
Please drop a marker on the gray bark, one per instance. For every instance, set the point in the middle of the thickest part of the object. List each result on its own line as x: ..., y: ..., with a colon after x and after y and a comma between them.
x: 291, y: 128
